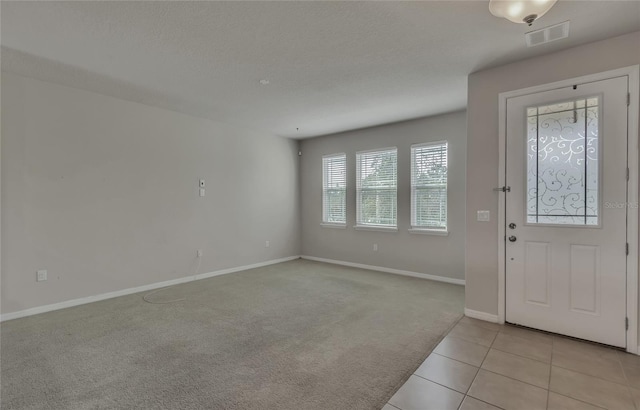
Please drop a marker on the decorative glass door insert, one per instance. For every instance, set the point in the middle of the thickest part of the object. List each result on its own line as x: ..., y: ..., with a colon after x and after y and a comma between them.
x: 563, y: 170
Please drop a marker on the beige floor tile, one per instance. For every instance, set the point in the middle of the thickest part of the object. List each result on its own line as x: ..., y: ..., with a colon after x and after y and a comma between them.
x: 481, y: 323
x: 563, y: 344
x: 470, y: 403
x: 518, y: 367
x: 635, y: 393
x: 591, y: 360
x: 507, y: 393
x: 629, y: 359
x: 420, y: 394
x: 447, y: 372
x: 389, y: 407
x: 529, y: 334
x: 524, y: 333
x: 632, y: 374
x: 590, y: 389
x: 559, y: 402
x: 461, y: 350
x: 472, y: 333
x: 523, y: 347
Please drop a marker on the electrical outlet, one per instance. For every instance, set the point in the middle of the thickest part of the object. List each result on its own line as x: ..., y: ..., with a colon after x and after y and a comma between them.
x: 266, y: 244
x: 375, y: 247
x: 41, y: 276
x: 199, y: 253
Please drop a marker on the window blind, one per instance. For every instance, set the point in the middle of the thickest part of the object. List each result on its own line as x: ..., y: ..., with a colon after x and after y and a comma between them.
x: 429, y: 186
x: 376, y: 188
x: 334, y: 189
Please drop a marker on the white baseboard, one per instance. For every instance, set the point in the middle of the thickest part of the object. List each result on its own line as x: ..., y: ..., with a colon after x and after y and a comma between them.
x: 388, y: 270
x: 487, y: 317
x: 245, y: 267
x: 123, y: 292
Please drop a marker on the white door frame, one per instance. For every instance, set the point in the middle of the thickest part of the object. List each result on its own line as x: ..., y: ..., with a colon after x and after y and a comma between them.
x: 633, y: 72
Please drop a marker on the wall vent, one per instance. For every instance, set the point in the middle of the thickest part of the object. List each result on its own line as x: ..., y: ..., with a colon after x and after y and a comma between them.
x: 547, y: 34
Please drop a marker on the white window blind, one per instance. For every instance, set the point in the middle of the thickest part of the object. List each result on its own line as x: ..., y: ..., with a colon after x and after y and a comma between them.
x: 376, y: 187
x: 334, y: 189
x: 429, y: 186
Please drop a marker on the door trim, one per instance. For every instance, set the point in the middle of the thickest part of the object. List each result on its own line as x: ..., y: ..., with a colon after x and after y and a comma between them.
x: 633, y: 74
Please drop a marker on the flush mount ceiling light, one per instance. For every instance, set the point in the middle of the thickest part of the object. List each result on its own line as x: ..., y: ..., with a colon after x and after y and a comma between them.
x: 520, y: 11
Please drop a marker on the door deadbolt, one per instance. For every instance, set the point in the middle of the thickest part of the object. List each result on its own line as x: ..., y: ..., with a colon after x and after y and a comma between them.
x: 512, y: 225
x: 512, y: 238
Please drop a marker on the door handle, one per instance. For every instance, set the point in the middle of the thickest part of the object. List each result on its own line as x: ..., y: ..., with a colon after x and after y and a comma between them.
x: 512, y: 226
x: 512, y: 238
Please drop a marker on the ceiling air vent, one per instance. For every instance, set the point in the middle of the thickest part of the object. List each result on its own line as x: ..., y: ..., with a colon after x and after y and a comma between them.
x: 547, y: 34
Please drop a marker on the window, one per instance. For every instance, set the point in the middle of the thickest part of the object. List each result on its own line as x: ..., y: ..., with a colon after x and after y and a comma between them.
x: 334, y: 189
x: 376, y: 188
x: 562, y: 163
x: 429, y: 186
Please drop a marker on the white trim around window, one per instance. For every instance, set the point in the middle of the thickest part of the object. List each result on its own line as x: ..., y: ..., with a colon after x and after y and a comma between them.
x: 379, y: 228
x: 334, y: 190
x: 429, y: 188
x: 436, y: 232
x: 377, y: 189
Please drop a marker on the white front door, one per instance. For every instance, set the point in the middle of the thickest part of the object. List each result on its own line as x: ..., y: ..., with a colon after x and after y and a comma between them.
x: 565, y: 242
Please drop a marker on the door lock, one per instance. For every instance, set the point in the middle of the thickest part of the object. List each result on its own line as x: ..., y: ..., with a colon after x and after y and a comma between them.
x: 512, y: 226
x: 512, y: 238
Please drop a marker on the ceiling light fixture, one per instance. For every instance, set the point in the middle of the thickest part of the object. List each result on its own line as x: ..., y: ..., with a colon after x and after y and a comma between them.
x: 520, y: 11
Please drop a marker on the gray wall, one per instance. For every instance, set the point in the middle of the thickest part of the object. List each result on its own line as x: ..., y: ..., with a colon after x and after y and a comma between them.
x: 482, y: 145
x: 435, y: 255
x: 103, y: 193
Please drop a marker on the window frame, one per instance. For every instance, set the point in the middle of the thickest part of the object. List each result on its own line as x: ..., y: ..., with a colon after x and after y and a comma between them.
x: 360, y: 225
x: 424, y: 229
x: 325, y: 212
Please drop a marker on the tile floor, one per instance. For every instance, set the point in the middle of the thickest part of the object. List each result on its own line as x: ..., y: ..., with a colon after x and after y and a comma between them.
x: 483, y: 366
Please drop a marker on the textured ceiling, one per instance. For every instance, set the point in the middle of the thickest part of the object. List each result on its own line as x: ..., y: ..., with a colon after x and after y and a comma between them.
x: 332, y: 66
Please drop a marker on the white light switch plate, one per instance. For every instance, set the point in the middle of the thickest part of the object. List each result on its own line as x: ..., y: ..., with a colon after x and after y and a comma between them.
x: 41, y: 276
x: 201, y: 191
x: 484, y: 216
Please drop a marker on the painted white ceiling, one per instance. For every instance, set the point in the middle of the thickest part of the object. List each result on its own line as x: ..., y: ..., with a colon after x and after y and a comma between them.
x: 332, y: 66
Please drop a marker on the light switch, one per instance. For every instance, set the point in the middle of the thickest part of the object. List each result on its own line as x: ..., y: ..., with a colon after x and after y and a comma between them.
x: 484, y: 216
x: 41, y: 276
x: 201, y: 191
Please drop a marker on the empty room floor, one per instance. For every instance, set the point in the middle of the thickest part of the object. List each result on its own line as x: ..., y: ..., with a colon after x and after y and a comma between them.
x: 296, y: 335
x: 484, y: 366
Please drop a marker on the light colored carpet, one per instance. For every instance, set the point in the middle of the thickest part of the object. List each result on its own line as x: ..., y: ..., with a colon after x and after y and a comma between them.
x: 297, y: 335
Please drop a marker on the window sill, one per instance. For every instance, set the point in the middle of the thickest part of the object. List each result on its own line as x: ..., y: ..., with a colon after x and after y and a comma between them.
x: 335, y: 226
x: 375, y: 228
x: 435, y: 232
